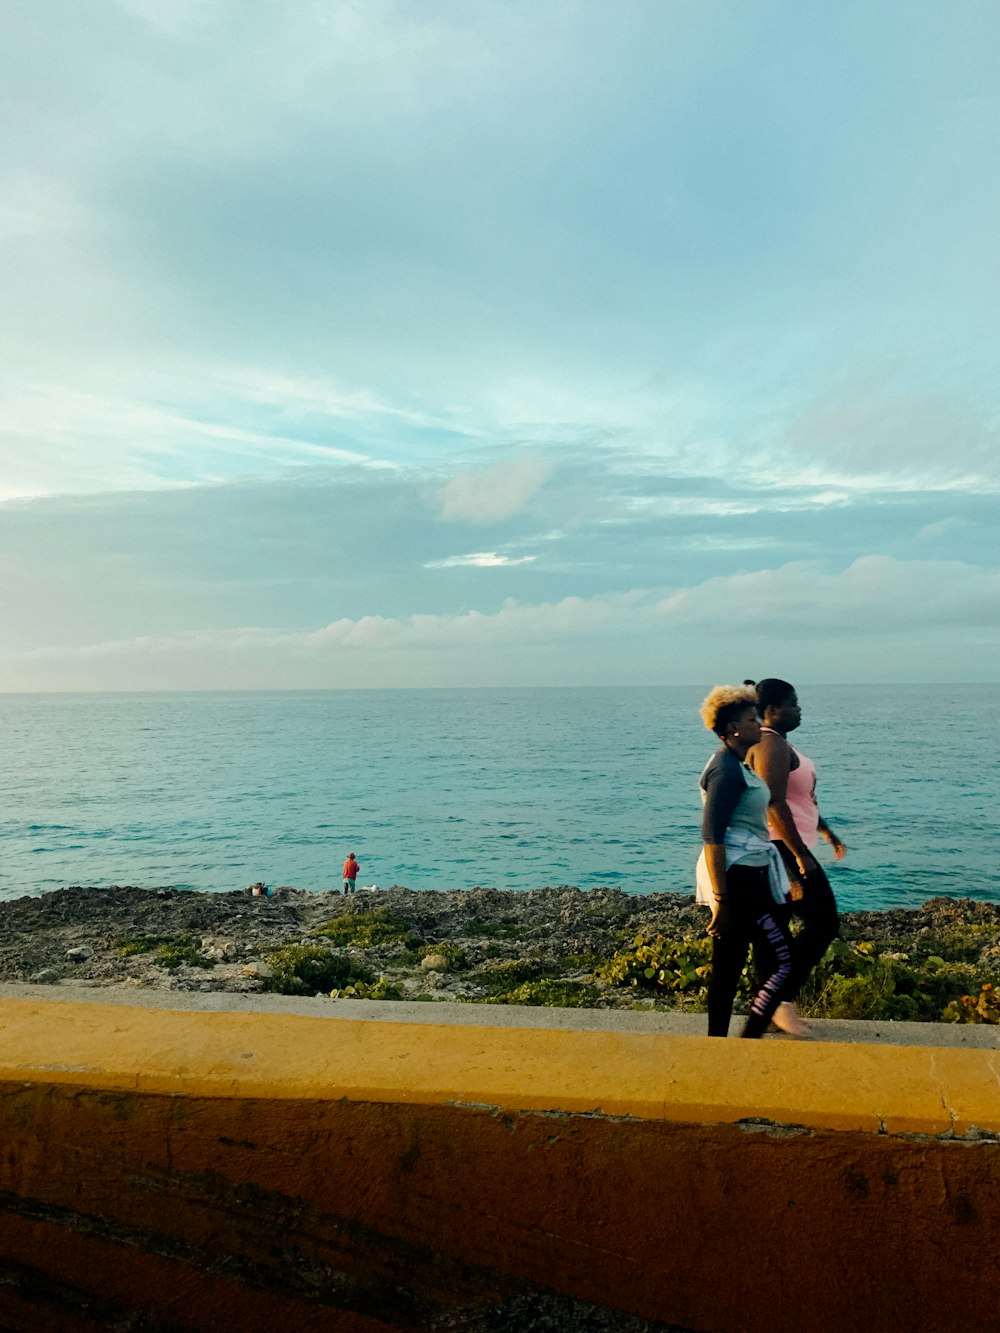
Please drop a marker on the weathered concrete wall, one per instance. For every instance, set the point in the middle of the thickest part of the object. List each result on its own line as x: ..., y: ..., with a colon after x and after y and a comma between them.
x: 217, y: 1171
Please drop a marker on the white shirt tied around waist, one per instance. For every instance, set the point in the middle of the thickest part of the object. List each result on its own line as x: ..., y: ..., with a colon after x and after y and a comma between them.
x: 744, y: 847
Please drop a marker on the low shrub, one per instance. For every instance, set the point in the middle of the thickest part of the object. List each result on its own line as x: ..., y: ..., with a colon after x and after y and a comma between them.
x: 455, y: 954
x: 981, y: 1008
x: 380, y: 989
x: 960, y: 944
x: 680, y: 965
x: 167, y: 950
x: 141, y: 944
x: 503, y: 977
x: 183, y: 949
x: 859, y: 981
x: 554, y: 992
x: 853, y: 981
x: 571, y: 961
x: 364, y: 930
x: 306, y: 969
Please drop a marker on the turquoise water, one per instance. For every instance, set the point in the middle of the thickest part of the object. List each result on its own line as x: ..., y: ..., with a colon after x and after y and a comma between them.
x: 458, y: 788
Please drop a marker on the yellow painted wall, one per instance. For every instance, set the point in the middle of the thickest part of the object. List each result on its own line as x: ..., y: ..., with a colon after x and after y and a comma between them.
x: 219, y: 1170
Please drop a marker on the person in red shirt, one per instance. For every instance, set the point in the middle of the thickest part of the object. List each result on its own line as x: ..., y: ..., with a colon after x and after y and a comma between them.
x: 351, y: 869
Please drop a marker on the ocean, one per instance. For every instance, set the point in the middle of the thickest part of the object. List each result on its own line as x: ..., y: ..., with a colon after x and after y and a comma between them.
x: 444, y: 789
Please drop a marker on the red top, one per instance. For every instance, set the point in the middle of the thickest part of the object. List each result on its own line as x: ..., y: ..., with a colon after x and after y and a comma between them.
x: 351, y: 868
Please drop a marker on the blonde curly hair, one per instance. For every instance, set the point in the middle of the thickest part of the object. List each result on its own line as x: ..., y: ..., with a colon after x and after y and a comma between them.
x: 724, y: 703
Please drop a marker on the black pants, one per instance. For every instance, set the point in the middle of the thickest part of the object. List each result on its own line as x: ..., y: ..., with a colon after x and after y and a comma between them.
x: 817, y: 910
x: 754, y: 918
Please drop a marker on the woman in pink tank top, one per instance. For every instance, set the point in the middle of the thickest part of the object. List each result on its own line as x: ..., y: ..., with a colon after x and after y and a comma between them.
x: 796, y: 827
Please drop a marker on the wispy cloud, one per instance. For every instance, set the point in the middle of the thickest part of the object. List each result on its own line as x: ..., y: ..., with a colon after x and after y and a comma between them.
x: 71, y: 440
x: 320, y: 397
x: 480, y: 560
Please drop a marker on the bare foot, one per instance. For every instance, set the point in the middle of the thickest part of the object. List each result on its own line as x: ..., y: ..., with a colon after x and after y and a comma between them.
x: 787, y: 1018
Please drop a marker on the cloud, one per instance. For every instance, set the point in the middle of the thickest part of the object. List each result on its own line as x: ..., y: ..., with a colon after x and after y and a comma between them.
x: 875, y: 611
x: 513, y: 624
x: 496, y: 493
x: 873, y: 594
x: 480, y: 560
x: 320, y: 396
x: 941, y: 527
x: 923, y: 435
x: 189, y: 427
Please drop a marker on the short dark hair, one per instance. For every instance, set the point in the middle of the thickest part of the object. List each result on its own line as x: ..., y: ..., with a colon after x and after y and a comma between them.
x: 772, y: 693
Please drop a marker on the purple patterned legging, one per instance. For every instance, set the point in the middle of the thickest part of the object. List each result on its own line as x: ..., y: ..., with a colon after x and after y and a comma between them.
x: 754, y: 918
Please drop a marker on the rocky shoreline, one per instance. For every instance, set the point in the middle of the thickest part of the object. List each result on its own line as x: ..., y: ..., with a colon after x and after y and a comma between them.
x: 546, y: 946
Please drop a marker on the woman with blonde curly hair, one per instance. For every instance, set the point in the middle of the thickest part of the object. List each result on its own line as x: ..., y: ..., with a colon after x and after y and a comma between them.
x: 740, y: 874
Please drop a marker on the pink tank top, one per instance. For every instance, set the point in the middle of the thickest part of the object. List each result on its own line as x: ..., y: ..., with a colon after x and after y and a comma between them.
x: 801, y: 795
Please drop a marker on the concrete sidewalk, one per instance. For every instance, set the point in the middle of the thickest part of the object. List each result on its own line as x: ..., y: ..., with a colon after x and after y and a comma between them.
x: 497, y: 1015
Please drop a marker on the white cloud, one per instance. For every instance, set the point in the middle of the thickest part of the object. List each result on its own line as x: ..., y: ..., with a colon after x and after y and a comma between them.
x: 496, y: 493
x: 931, y: 531
x: 873, y: 594
x: 479, y: 560
x: 918, y: 436
x: 792, y: 613
x: 292, y: 393
x: 59, y: 439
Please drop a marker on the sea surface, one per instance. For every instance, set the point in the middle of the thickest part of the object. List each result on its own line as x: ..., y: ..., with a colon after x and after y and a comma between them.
x: 441, y: 789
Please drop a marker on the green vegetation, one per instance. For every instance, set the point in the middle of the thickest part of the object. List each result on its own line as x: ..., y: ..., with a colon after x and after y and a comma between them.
x: 308, y: 969
x: 960, y: 944
x: 141, y: 944
x: 167, y: 950
x: 860, y: 980
x: 554, y: 992
x: 678, y: 965
x: 453, y: 953
x: 457, y: 961
x: 183, y: 949
x: 501, y: 978
x: 382, y: 989
x: 577, y: 961
x: 365, y: 930
x: 981, y: 1008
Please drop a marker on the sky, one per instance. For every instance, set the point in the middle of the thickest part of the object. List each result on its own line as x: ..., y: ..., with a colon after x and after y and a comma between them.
x: 354, y: 343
